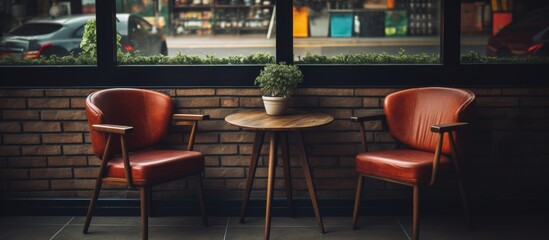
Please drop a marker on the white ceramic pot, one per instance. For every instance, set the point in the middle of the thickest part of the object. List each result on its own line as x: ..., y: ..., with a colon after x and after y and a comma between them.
x: 276, y: 105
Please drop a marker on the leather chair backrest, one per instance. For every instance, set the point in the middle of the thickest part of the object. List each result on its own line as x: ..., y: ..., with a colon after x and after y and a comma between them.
x: 411, y: 113
x: 148, y: 112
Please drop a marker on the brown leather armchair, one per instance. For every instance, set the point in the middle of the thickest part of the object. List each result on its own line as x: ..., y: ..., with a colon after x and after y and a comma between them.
x: 423, y: 119
x: 126, y: 128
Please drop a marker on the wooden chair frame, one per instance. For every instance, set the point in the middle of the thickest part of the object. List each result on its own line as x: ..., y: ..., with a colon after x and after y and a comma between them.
x: 441, y: 129
x: 146, y: 190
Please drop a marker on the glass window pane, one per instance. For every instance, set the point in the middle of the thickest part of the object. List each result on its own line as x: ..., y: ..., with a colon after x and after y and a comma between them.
x: 496, y: 31
x: 367, y: 31
x: 44, y: 32
x: 195, y: 31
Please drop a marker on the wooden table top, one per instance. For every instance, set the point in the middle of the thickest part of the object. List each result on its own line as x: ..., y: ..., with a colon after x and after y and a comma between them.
x: 294, y: 120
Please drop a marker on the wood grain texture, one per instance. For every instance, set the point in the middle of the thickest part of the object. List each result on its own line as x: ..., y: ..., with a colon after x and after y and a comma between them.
x: 295, y: 120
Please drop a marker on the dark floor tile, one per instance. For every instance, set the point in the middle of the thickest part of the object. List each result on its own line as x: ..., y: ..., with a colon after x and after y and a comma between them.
x: 164, y: 221
x: 133, y: 232
x: 34, y: 220
x: 311, y: 221
x: 26, y: 232
x: 306, y: 233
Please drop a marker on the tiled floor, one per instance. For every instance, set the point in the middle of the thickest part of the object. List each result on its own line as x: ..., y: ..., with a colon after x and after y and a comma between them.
x: 499, y: 227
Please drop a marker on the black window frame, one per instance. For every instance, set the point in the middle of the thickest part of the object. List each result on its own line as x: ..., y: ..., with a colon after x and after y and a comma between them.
x: 450, y: 72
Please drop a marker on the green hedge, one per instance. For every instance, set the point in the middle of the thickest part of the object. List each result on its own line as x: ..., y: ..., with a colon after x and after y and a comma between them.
x: 264, y: 58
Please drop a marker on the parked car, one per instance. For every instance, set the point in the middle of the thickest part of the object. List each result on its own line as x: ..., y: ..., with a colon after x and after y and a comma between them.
x: 525, y: 37
x: 61, y: 36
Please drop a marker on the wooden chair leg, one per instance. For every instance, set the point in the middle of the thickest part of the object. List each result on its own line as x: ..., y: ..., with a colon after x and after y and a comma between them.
x: 145, y: 212
x: 465, y: 204
x: 201, y: 200
x: 93, y: 200
x: 415, y: 224
x: 358, y: 197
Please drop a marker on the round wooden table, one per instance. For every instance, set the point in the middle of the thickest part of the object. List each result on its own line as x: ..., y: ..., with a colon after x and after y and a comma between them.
x: 279, y: 127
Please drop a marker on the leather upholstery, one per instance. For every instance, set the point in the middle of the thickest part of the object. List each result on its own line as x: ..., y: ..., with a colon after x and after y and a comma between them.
x: 402, y: 165
x: 148, y: 112
x: 155, y: 166
x: 411, y: 113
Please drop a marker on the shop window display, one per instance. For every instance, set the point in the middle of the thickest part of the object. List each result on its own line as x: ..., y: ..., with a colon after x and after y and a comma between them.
x: 407, y: 30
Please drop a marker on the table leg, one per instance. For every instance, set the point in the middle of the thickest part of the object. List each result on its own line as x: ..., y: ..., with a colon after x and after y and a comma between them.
x: 287, y: 172
x: 310, y: 185
x: 258, y: 142
x: 270, y: 182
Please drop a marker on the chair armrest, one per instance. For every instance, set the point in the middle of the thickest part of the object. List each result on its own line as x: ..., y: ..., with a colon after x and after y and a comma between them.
x: 368, y: 118
x: 190, y: 117
x: 110, y: 128
x: 448, y: 127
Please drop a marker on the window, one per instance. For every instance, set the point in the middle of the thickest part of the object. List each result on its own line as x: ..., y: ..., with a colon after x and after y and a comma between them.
x: 122, y: 69
x: 196, y: 31
x: 365, y: 32
x: 498, y: 31
x: 44, y: 32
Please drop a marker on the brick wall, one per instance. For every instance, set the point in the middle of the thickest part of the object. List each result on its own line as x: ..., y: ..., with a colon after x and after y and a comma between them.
x: 45, y: 146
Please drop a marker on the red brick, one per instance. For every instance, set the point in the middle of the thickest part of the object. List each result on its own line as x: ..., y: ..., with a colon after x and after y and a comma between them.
x: 336, y: 113
x: 383, y: 137
x: 77, y: 149
x: 20, y: 115
x: 224, y: 172
x: 10, y: 127
x: 195, y: 92
x: 525, y: 91
x: 72, y: 184
x: 238, y: 92
x: 317, y: 161
x: 29, y: 185
x: 216, y: 149
x: 78, y: 102
x: 41, y: 126
x: 324, y: 92
x: 229, y: 102
x: 196, y: 102
x: 334, y: 173
x: 21, y: 93
x: 202, y: 138
x: 332, y: 137
x: 219, y: 113
x: 237, y: 137
x: 62, y: 138
x: 215, y: 125
x: 64, y: 115
x: 235, y: 161
x: 335, y: 150
x: 345, y: 102
x: 51, y: 173
x: 10, y: 151
x: 486, y: 91
x: 22, y: 139
x: 534, y: 102
x: 308, y: 102
x: 49, y: 102
x: 41, y: 150
x: 27, y: 162
x: 69, y: 92
x: 371, y: 102
x: 249, y: 102
x: 211, y: 161
x: 13, y: 103
x: 374, y: 92
x: 66, y: 161
x: 498, y: 102
x: 75, y: 126
x: 10, y: 173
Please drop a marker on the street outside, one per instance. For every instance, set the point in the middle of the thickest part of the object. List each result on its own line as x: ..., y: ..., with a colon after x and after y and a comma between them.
x: 231, y: 45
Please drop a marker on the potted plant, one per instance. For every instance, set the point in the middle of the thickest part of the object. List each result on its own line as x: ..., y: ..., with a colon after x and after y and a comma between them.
x: 277, y: 83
